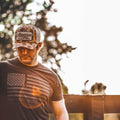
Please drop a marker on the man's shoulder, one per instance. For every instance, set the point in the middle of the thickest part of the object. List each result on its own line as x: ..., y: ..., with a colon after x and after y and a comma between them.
x: 12, y: 59
x: 6, y: 62
x: 2, y: 63
x: 47, y: 71
x: 44, y: 68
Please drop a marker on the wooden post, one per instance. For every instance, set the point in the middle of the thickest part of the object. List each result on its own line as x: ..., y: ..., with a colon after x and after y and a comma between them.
x: 96, y: 108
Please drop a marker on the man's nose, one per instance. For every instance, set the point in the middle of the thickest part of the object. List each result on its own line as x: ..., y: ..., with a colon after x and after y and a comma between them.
x: 24, y: 51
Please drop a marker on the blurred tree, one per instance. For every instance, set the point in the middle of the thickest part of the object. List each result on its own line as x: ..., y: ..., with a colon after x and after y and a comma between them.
x: 15, y: 12
x: 11, y: 13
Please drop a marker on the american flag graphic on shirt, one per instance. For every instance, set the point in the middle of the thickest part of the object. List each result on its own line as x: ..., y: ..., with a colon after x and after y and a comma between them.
x: 32, y: 91
x: 14, y: 83
x: 15, y: 79
x: 35, y: 93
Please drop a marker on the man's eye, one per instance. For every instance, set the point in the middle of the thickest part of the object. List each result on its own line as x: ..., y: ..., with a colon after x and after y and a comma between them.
x: 20, y: 48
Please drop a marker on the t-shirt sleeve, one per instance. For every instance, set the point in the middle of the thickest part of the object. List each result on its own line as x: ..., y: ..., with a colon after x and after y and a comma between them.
x: 57, y: 90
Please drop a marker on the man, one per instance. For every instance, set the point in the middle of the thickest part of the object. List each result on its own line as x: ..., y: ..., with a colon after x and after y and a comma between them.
x: 28, y: 83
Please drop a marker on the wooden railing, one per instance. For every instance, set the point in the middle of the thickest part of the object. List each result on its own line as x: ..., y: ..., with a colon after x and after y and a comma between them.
x: 92, y: 107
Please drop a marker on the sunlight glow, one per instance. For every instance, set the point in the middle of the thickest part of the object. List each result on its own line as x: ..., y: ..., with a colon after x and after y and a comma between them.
x: 2, y: 27
x: 94, y: 28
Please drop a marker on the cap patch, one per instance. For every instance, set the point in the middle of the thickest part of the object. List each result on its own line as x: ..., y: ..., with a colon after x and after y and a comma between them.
x: 24, y: 36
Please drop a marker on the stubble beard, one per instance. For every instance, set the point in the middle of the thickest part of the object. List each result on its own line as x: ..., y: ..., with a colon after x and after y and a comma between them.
x: 28, y: 60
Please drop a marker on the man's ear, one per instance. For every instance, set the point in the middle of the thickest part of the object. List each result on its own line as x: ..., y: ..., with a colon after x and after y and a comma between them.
x: 39, y: 46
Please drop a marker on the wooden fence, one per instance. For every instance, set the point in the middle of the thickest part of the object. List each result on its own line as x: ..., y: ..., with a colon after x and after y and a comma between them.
x: 92, y: 107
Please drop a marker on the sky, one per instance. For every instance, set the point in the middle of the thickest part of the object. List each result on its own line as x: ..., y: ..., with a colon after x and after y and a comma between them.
x: 93, y: 26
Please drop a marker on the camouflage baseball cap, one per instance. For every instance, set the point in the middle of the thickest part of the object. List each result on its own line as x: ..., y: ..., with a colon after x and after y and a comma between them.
x: 27, y: 36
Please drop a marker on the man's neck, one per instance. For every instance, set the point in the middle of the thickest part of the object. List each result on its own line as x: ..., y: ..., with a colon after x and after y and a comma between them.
x: 34, y: 63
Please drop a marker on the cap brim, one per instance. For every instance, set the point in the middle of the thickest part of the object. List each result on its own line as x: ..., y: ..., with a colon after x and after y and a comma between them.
x: 26, y: 45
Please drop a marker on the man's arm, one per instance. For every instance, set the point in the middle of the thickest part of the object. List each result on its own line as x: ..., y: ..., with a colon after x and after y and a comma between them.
x: 60, y: 110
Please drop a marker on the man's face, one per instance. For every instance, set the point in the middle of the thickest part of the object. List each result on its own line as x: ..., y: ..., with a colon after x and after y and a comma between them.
x: 27, y: 56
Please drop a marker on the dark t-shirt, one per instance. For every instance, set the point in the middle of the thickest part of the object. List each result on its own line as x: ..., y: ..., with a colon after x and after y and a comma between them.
x: 32, y: 88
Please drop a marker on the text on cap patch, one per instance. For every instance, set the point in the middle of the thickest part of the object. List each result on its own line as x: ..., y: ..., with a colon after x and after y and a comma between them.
x: 24, y: 36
